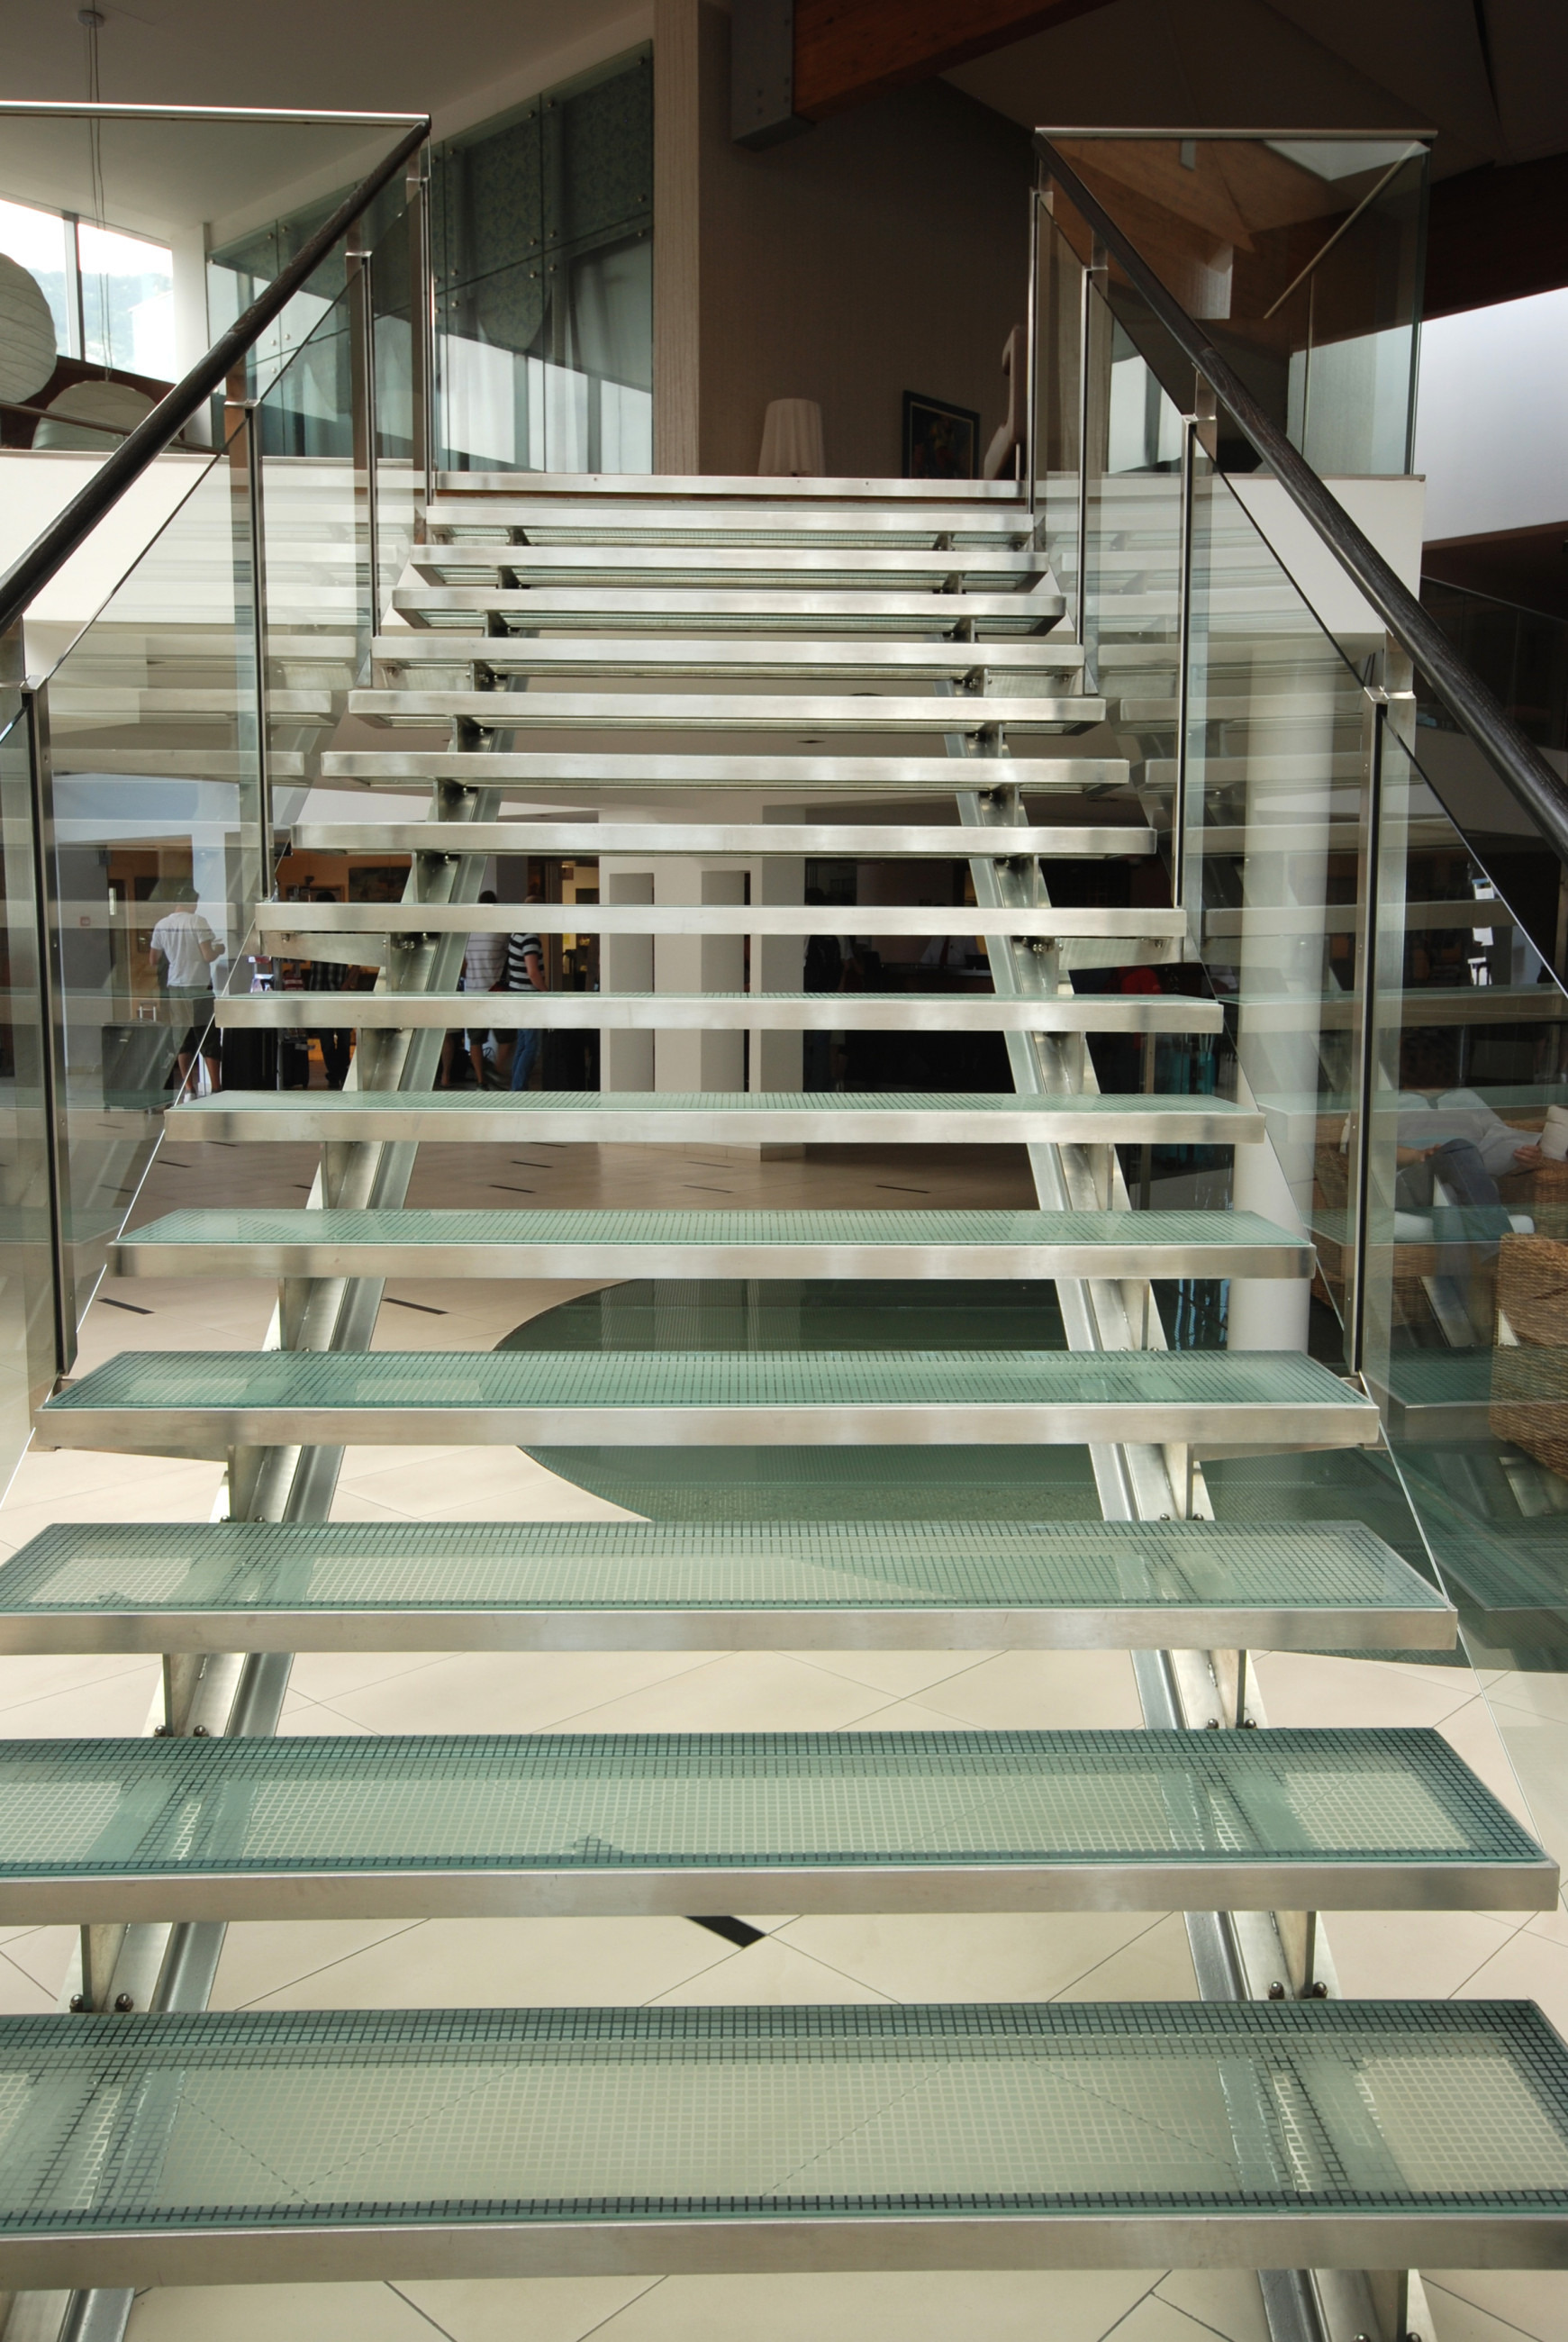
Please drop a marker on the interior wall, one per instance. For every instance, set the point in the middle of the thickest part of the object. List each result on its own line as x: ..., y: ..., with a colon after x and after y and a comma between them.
x: 884, y: 251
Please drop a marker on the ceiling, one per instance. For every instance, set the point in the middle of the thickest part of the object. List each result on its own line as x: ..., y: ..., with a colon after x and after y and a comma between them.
x: 1489, y: 77
x: 461, y: 62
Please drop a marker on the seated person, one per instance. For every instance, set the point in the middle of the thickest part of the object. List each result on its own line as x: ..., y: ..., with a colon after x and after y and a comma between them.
x: 1450, y: 1135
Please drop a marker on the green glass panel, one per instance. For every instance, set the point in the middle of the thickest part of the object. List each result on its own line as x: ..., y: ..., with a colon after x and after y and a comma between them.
x: 593, y: 1802
x: 751, y: 1565
x: 321, y: 2119
x: 444, y: 1379
x: 664, y: 1227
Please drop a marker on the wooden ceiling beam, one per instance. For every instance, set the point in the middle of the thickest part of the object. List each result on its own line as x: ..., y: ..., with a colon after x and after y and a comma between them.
x: 846, y: 51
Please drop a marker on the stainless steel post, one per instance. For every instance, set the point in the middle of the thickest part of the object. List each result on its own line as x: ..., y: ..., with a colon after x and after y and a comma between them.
x: 1091, y: 406
x: 1032, y: 352
x: 1184, y: 661
x: 1364, y: 1068
x: 422, y: 334
x: 52, y: 1036
x: 360, y: 269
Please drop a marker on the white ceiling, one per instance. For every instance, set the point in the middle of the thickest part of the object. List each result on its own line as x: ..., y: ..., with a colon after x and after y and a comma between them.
x: 460, y: 62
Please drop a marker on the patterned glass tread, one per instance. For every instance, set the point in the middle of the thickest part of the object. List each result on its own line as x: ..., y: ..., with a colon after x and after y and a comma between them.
x: 150, y: 1828
x: 134, y: 1584
x: 165, y: 2148
x: 603, y: 1111
x: 960, y: 1231
x: 186, y: 1398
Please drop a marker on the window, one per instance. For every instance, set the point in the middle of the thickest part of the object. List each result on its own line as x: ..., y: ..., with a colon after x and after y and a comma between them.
x: 112, y: 295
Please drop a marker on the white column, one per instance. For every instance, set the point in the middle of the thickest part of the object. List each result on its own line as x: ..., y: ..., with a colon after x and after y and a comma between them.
x: 778, y: 965
x: 698, y: 1060
x: 626, y: 964
x: 1280, y: 960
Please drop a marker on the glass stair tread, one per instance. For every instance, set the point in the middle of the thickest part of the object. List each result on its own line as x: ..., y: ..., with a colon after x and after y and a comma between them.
x: 734, y: 711
x: 679, y: 606
x: 892, y: 841
x: 933, y: 1244
x: 655, y: 521
x: 546, y: 1823
x: 575, y: 1585
x: 846, y: 1116
x: 202, y: 1403
x: 864, y: 777
x: 781, y: 1012
x: 755, y: 654
x: 334, y: 2144
x: 1114, y: 922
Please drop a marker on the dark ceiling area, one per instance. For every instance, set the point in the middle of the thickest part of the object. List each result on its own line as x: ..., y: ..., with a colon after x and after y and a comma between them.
x: 1486, y: 80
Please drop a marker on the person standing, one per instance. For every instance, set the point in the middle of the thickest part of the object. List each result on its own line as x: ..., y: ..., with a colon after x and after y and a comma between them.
x: 186, y: 946
x: 337, y: 1041
x: 525, y: 972
x: 484, y: 970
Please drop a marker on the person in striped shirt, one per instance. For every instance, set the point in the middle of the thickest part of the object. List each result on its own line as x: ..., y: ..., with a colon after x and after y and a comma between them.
x: 525, y: 972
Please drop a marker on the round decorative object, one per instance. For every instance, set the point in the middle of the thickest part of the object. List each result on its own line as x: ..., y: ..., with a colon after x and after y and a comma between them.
x: 70, y: 416
x: 26, y: 333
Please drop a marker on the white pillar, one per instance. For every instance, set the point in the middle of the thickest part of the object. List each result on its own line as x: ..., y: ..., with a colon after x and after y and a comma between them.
x: 1283, y: 958
x: 699, y: 1060
x: 626, y: 964
x: 778, y: 965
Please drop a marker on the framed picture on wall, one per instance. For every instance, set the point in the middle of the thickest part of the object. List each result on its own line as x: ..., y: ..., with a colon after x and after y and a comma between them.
x: 940, y: 442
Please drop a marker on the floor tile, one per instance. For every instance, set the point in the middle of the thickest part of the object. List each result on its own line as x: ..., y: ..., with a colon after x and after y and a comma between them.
x: 1157, y: 2320
x: 328, y: 1675
x: 116, y: 1704
x: 1533, y: 2301
x: 965, y: 1956
x: 1454, y: 2319
x: 742, y: 1691
x: 22, y: 1995
x: 511, y: 1963
x: 1302, y: 1687
x: 1231, y: 2301
x: 261, y: 2313
x: 775, y: 1972
x: 1156, y: 1966
x: 266, y: 1955
x: 43, y: 1954
x: 514, y: 1691
x: 1527, y: 1968
x: 1041, y: 1689
x: 899, y: 2305
x: 522, y: 2309
x: 1411, y: 1955
x: 895, y: 1673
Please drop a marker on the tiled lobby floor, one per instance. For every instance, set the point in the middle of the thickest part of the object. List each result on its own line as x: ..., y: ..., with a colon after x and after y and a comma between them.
x: 635, y: 1960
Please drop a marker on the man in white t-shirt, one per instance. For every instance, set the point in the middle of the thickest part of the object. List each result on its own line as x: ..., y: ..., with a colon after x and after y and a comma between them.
x: 182, y: 950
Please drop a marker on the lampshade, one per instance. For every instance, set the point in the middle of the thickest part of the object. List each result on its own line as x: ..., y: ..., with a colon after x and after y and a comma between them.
x: 791, y: 440
x: 115, y: 403
x: 26, y: 333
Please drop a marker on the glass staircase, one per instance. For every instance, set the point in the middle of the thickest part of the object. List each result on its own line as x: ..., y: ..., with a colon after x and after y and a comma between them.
x: 1210, y: 888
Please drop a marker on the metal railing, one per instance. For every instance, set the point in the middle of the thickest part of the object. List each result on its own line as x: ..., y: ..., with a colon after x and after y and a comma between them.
x: 222, y: 370
x: 50, y: 551
x: 1515, y: 760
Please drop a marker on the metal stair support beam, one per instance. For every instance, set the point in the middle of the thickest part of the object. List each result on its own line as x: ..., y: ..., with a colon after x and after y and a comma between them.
x: 1135, y: 1482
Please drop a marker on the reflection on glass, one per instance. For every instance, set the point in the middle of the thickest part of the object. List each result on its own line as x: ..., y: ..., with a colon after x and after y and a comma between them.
x: 1302, y: 256
x: 40, y: 242
x: 320, y: 608
x: 28, y: 1362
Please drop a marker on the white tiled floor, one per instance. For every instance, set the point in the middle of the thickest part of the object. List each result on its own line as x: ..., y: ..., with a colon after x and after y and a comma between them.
x: 465, y: 1963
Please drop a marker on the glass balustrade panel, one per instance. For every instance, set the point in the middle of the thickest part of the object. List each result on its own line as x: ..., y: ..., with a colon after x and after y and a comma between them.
x: 28, y: 1361
x: 1302, y: 258
x: 155, y: 846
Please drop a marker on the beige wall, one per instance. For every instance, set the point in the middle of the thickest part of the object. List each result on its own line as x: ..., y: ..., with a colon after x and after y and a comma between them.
x: 882, y: 252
